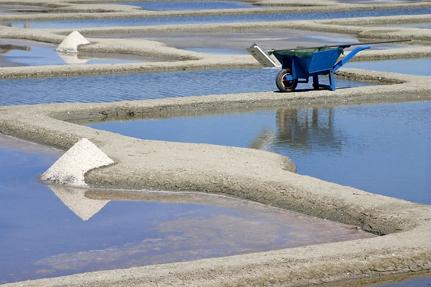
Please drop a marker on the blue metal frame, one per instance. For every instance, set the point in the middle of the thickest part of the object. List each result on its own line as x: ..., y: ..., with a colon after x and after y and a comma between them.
x: 320, y: 62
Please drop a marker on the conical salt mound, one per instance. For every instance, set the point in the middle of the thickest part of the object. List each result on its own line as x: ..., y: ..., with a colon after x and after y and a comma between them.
x: 71, y: 167
x: 71, y: 42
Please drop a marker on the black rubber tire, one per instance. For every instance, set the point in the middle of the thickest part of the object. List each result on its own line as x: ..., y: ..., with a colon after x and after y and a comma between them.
x: 284, y: 85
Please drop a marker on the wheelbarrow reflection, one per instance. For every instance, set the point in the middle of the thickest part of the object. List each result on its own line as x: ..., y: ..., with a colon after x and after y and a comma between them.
x: 301, y: 129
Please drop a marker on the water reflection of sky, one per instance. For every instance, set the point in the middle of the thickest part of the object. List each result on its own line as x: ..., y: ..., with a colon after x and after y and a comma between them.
x: 11, y: 8
x: 420, y: 25
x: 56, y: 231
x: 422, y: 281
x: 417, y: 25
x: 160, y: 20
x: 194, y: 5
x: 31, y: 53
x: 236, y: 42
x: 371, y: 147
x: 415, y: 66
x: 135, y: 86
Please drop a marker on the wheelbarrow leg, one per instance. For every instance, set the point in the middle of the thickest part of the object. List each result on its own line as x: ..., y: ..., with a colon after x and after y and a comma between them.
x: 316, y: 82
x: 332, y: 81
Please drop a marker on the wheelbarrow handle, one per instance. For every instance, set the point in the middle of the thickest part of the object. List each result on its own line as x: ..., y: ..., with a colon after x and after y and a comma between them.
x: 343, y: 46
x: 349, y: 56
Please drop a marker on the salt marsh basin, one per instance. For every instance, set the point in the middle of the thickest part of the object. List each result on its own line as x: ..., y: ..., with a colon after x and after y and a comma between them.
x: 184, y: 5
x: 137, y: 86
x: 32, y: 53
x: 215, y: 178
x: 231, y: 42
x: 418, y: 66
x: 88, y: 230
x: 387, y: 156
x: 163, y: 20
x: 268, y: 164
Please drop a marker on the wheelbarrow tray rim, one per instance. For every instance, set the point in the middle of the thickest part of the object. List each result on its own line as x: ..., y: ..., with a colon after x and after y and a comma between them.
x: 303, y: 52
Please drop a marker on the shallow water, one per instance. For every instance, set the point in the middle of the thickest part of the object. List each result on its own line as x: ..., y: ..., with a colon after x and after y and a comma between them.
x: 378, y: 1
x: 424, y: 281
x: 396, y: 280
x: 108, y: 88
x: 20, y: 8
x: 417, y: 25
x: 56, y: 231
x: 370, y: 147
x: 31, y: 53
x: 162, y: 5
x: 426, y: 25
x: 160, y: 20
x: 416, y: 66
x: 234, y: 43
x: 230, y: 42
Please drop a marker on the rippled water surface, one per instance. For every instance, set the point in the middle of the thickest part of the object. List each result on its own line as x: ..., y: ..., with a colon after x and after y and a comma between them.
x: 424, y: 281
x: 400, y: 280
x: 52, y: 231
x: 236, y: 42
x: 86, y: 23
x: 418, y: 25
x: 31, y: 53
x: 11, y: 8
x: 415, y: 66
x: 425, y: 25
x: 194, y: 5
x: 141, y: 86
x: 378, y: 1
x: 381, y: 148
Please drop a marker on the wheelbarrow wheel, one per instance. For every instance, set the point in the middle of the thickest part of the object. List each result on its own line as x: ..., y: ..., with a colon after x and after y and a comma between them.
x: 285, y: 85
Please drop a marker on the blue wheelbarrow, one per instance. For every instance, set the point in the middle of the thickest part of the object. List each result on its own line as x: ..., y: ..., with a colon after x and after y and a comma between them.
x: 299, y: 64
